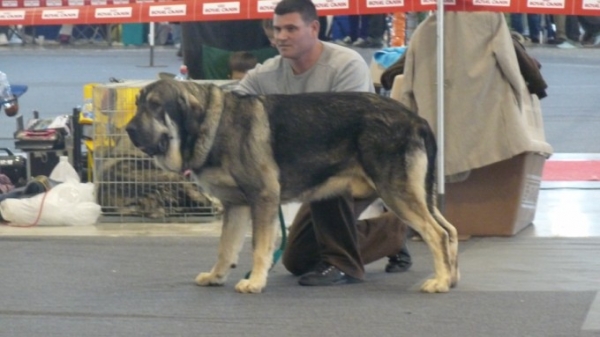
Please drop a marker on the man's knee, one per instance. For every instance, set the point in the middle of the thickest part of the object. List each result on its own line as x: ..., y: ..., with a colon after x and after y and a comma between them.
x: 292, y: 262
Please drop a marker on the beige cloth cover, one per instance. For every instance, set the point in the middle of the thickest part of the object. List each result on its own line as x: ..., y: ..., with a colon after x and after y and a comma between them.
x: 489, y: 114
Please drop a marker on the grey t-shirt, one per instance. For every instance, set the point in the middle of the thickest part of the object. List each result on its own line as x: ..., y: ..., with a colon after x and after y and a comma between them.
x: 338, y: 69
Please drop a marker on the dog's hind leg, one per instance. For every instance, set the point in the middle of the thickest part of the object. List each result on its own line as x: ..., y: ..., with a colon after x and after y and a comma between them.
x: 235, y: 228
x: 412, y: 208
x: 405, y: 194
x: 453, y: 249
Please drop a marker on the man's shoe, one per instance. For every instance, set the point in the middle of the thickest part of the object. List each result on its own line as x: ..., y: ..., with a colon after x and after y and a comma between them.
x: 374, y: 43
x: 3, y: 39
x: 326, y: 275
x: 400, y: 262
x: 368, y: 43
x: 360, y: 42
x: 589, y: 40
x: 557, y: 41
x: 347, y: 41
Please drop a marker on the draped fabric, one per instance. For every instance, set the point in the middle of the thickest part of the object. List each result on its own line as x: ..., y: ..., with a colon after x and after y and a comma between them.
x: 239, y: 35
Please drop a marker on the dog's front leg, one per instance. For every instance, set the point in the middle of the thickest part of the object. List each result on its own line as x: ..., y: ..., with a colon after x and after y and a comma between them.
x: 264, y: 230
x: 235, y: 227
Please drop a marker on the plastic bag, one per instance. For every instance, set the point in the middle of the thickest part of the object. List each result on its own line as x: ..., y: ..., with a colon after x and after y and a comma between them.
x: 66, y: 204
x: 64, y: 171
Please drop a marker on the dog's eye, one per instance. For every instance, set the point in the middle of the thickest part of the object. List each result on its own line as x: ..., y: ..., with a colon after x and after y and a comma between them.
x: 153, y: 105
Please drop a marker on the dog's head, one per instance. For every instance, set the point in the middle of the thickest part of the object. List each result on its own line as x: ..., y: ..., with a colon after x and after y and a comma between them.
x: 175, y: 122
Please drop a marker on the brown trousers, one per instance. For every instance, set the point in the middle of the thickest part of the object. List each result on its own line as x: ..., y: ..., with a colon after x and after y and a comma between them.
x: 329, y: 231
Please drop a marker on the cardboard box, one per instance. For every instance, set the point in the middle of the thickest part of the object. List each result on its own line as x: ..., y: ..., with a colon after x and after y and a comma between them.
x: 498, y: 199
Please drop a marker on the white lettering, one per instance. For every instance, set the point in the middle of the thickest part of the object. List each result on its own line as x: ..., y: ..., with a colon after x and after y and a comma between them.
x: 32, y: 3
x: 434, y: 2
x: 499, y: 3
x: 266, y: 6
x: 12, y: 15
x: 384, y: 3
x: 174, y: 10
x: 120, y: 12
x: 10, y: 4
x: 590, y: 4
x: 331, y: 4
x: 53, y: 3
x: 545, y: 4
x: 221, y: 8
x: 51, y: 14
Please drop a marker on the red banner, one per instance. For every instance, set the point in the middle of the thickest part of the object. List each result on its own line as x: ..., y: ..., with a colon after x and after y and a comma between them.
x: 57, y: 12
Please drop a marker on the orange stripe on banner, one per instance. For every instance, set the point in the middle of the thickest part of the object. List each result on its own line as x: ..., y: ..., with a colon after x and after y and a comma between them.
x: 562, y: 170
x: 46, y: 12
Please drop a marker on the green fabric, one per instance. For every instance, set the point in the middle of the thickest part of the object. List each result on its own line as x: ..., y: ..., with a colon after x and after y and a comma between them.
x: 215, y: 65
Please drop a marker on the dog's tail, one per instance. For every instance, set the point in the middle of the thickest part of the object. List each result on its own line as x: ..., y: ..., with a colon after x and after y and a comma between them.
x: 430, y: 143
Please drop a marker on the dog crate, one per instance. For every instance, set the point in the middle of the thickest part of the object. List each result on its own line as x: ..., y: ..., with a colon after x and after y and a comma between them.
x: 129, y: 186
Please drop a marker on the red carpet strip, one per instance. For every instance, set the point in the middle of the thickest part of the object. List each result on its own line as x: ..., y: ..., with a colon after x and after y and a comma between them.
x: 571, y: 170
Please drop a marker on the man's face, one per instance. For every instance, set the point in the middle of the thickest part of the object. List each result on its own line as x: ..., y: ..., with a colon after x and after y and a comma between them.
x: 294, y: 37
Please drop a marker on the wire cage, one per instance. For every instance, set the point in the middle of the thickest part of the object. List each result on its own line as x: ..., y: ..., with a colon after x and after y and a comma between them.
x: 129, y: 186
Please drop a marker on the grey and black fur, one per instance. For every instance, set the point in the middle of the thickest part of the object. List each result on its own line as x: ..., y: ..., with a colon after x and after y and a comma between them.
x: 255, y: 152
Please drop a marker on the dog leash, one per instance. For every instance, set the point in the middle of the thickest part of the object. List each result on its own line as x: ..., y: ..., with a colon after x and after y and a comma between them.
x: 277, y: 254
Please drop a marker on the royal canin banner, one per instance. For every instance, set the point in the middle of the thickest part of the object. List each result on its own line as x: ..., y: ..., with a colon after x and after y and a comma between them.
x: 57, y: 12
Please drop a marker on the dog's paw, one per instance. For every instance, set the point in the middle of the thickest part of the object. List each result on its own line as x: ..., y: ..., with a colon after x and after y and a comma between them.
x: 435, y: 286
x: 209, y: 279
x: 247, y: 287
x: 455, y: 277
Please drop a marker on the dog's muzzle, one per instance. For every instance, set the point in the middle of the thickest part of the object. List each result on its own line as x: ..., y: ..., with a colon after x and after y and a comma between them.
x: 148, y: 146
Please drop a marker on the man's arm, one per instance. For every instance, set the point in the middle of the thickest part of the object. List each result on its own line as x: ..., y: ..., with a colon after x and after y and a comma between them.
x: 354, y: 76
x: 249, y: 84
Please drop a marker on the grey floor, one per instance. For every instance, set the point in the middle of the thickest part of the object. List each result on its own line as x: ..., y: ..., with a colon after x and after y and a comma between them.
x: 137, y: 279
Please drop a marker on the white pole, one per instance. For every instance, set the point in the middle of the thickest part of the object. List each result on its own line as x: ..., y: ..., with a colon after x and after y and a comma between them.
x: 151, y: 43
x: 441, y: 188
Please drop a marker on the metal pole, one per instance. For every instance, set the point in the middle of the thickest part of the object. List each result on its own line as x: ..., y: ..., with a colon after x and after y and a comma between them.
x: 151, y: 43
x: 441, y: 188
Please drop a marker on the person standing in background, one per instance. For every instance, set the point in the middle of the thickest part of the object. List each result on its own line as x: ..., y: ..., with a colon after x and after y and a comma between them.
x: 534, y: 22
x: 3, y: 36
x: 373, y: 32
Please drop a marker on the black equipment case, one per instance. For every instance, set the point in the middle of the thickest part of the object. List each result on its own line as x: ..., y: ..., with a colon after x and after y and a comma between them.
x: 13, y: 166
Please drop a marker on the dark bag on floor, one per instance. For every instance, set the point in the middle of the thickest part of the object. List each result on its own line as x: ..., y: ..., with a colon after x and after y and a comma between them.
x: 13, y: 166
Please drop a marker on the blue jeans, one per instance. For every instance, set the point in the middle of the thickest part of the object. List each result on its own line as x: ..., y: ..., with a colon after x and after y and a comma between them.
x: 340, y: 27
x: 534, y: 22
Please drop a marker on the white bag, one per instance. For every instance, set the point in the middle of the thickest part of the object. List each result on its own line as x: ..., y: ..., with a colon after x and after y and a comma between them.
x: 64, y: 171
x: 66, y: 204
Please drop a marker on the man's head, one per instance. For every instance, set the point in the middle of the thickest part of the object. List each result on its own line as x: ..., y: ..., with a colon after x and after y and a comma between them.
x: 296, y: 27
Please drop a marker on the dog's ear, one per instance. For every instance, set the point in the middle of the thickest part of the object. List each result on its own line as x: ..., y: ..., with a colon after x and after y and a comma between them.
x: 202, y: 119
x: 189, y: 104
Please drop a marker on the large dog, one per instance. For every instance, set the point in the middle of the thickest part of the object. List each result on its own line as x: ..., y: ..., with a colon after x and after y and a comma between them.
x: 255, y: 152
